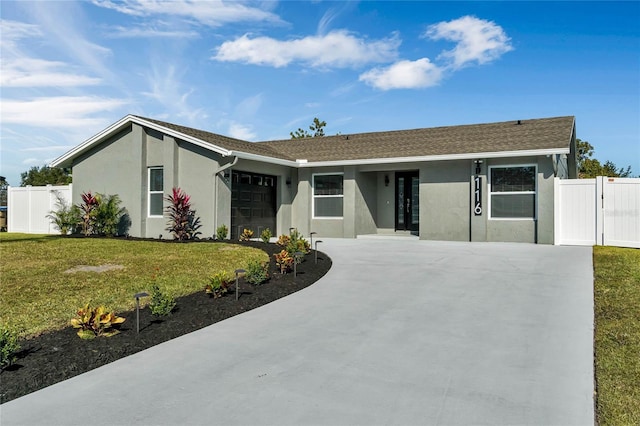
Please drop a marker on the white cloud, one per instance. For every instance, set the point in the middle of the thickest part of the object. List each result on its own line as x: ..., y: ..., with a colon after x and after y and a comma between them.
x: 48, y: 148
x: 30, y: 72
x: 337, y: 48
x: 249, y: 106
x: 404, y: 75
x: 59, y: 112
x: 210, y: 13
x: 14, y: 30
x: 240, y: 131
x: 477, y: 40
x: 148, y: 31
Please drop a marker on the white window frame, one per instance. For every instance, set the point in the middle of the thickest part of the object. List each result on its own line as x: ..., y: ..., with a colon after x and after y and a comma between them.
x: 149, y: 191
x: 534, y: 192
x: 314, y: 196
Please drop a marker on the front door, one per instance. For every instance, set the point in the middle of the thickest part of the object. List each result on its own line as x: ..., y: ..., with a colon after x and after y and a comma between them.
x: 253, y: 203
x: 407, y: 201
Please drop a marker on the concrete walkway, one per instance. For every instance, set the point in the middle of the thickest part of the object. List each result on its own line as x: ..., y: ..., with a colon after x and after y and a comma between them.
x: 398, y: 333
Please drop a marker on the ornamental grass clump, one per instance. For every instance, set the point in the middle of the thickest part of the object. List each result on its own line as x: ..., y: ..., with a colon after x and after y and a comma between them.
x: 96, y: 322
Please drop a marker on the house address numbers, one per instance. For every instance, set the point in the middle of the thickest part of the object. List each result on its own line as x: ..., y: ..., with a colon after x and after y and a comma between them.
x: 477, y: 193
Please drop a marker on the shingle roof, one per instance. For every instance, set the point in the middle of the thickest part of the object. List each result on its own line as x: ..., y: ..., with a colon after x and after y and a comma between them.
x: 509, y: 136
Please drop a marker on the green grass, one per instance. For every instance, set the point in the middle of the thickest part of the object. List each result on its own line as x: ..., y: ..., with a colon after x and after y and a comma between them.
x: 617, y: 337
x: 37, y: 295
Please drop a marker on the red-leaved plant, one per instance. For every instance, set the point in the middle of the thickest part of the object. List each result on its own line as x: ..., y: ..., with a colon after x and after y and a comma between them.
x: 88, y: 211
x: 183, y: 222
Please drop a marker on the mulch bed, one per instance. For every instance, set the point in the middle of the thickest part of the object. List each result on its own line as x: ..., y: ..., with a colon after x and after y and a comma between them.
x: 60, y: 355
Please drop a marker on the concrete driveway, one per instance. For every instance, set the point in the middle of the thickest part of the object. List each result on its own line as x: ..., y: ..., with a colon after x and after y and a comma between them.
x: 398, y: 332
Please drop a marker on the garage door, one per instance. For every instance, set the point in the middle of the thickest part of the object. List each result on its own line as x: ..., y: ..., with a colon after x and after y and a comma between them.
x: 253, y: 203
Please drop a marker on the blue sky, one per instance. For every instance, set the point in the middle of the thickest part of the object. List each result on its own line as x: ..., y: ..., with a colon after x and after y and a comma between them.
x: 258, y: 70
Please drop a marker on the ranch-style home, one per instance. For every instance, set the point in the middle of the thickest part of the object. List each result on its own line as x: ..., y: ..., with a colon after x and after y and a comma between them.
x: 481, y: 182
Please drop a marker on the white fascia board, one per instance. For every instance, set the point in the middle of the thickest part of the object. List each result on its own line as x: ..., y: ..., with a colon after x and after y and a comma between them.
x: 263, y: 158
x: 115, y: 127
x: 446, y: 157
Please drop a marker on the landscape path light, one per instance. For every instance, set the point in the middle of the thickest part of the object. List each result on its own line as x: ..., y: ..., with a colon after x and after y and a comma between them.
x: 138, y: 296
x: 238, y: 271
x: 311, y: 234
x: 297, y: 255
x: 319, y: 241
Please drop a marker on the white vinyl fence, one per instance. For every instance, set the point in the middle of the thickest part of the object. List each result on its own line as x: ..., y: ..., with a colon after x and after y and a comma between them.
x: 600, y: 211
x: 28, y: 207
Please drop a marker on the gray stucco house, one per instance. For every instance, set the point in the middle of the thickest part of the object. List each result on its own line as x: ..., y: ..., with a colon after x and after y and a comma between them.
x: 484, y: 182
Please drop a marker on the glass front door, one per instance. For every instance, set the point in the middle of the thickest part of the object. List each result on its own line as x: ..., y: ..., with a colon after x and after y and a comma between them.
x: 407, y: 201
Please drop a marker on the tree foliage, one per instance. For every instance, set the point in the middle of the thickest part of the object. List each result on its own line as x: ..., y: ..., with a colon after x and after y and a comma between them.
x: 589, y: 167
x: 3, y: 191
x: 316, y: 128
x: 45, y: 175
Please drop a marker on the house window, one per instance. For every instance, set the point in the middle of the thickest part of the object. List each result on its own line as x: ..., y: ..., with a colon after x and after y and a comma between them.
x: 328, y: 195
x: 156, y: 191
x: 512, y: 192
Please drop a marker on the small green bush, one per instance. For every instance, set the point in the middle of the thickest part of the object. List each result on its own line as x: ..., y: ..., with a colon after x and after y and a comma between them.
x: 257, y: 272
x: 67, y: 217
x: 9, y: 346
x: 222, y: 232
x: 266, y: 235
x: 161, y: 304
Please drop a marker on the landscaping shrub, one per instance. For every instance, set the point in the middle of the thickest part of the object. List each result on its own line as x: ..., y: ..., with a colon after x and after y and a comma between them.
x: 67, y: 217
x: 283, y: 240
x: 107, y: 215
x: 94, y: 322
x: 218, y: 285
x: 88, y: 212
x: 266, y: 235
x: 9, y: 346
x: 284, y: 261
x: 246, y: 235
x: 257, y: 272
x: 183, y: 222
x: 222, y: 232
x: 161, y: 304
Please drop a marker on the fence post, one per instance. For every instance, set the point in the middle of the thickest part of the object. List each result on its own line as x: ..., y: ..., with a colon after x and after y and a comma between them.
x: 600, y: 211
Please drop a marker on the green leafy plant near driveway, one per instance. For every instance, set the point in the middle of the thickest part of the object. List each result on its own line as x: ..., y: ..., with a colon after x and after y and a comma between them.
x: 96, y: 322
x: 246, y: 235
x: 257, y: 272
x: 218, y: 285
x: 161, y: 304
x: 9, y: 346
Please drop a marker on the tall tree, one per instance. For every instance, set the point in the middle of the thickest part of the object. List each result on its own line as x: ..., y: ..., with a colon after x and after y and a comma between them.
x: 40, y: 176
x: 317, y: 130
x: 589, y: 167
x: 3, y: 191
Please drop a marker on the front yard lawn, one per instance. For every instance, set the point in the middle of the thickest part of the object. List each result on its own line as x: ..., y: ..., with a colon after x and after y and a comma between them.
x: 617, y: 335
x: 38, y: 295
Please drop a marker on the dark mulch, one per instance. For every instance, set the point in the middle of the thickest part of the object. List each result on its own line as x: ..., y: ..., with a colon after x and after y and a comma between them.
x: 60, y: 355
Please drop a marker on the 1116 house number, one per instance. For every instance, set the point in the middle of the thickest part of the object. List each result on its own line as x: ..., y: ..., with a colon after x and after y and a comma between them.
x: 477, y: 209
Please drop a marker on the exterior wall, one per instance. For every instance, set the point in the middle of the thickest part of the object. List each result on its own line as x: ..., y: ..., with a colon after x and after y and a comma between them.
x: 366, y: 203
x: 385, y: 202
x: 444, y: 201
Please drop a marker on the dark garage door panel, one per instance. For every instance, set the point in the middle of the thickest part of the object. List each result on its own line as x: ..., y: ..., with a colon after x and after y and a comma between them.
x: 253, y: 203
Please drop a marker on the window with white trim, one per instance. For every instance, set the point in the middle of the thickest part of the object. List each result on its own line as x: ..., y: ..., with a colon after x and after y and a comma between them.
x: 512, y: 192
x: 156, y: 191
x: 328, y: 193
